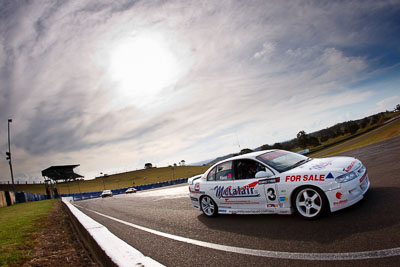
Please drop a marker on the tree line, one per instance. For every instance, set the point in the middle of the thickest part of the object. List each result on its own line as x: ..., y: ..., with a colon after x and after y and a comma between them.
x: 304, y: 140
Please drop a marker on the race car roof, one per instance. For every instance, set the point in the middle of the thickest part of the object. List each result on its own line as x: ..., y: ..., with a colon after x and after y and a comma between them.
x: 250, y: 155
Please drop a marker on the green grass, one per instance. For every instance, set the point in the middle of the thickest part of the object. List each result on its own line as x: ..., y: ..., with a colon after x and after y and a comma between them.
x: 380, y: 134
x: 19, y: 224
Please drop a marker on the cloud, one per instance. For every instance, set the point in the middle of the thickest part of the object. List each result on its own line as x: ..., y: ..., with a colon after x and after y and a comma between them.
x: 387, y: 101
x: 262, y: 70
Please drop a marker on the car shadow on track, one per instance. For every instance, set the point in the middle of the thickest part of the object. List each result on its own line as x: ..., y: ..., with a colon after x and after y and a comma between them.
x: 378, y: 210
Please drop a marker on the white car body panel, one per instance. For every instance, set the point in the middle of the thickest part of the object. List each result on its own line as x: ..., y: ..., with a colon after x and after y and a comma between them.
x: 264, y: 196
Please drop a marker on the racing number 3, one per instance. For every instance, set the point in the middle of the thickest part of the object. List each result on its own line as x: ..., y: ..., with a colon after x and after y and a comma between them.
x: 271, y: 194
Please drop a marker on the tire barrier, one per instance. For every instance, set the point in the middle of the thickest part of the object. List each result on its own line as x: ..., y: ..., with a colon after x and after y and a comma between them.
x: 97, y: 194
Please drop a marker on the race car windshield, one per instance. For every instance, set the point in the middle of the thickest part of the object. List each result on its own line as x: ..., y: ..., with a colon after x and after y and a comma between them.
x: 283, y: 160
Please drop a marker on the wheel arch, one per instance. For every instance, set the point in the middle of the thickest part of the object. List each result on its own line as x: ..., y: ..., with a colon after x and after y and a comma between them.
x: 215, y: 202
x: 207, y: 195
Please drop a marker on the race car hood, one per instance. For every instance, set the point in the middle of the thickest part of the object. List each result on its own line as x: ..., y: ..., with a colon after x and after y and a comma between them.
x: 333, y: 164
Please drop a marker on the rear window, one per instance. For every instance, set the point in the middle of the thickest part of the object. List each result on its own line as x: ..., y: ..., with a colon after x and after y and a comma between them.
x: 224, y: 171
x: 211, y: 175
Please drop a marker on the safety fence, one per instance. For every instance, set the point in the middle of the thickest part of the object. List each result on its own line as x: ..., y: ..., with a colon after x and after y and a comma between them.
x: 8, y: 198
x: 97, y: 194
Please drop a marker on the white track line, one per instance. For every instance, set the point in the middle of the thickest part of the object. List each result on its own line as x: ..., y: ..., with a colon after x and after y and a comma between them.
x: 364, y: 255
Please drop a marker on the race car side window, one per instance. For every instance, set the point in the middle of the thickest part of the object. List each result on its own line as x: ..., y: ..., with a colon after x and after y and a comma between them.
x: 247, y: 169
x: 211, y: 175
x: 224, y: 171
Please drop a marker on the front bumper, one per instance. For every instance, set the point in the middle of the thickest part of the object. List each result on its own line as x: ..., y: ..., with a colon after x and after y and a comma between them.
x: 349, y: 193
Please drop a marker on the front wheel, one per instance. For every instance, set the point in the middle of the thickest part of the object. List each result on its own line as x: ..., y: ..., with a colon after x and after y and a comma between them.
x: 208, y: 206
x: 310, y: 203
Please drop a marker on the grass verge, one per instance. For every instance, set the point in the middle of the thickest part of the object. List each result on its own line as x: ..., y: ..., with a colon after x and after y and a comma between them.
x: 19, y: 226
x: 377, y: 135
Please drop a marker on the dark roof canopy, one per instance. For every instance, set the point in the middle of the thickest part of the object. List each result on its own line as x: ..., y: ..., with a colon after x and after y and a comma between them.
x: 65, y: 172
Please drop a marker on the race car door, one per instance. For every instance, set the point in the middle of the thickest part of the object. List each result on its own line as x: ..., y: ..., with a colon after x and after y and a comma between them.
x: 219, y: 184
x: 248, y: 194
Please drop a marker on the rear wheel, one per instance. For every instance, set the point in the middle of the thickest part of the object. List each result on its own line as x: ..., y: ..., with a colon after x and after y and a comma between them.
x: 310, y: 203
x: 208, y: 206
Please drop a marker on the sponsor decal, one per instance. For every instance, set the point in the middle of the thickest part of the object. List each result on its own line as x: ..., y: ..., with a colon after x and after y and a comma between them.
x: 283, y: 199
x: 269, y: 181
x: 341, y: 202
x: 321, y: 165
x: 235, y: 192
x: 194, y: 199
x: 273, y: 155
x: 240, y: 202
x: 350, y: 166
x: 226, y: 177
x: 363, y: 177
x: 197, y: 187
x: 305, y: 178
x: 272, y: 205
x: 222, y: 211
x: 196, y: 192
x: 329, y: 176
x: 339, y: 195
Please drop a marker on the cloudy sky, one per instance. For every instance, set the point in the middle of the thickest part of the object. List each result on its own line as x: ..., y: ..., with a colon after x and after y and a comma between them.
x: 111, y: 85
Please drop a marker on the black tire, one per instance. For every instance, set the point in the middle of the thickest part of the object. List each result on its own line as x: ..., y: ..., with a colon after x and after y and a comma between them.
x: 208, y: 206
x: 310, y: 202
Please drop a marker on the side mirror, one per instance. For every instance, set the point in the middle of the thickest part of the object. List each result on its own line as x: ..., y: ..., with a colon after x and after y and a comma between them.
x: 263, y: 174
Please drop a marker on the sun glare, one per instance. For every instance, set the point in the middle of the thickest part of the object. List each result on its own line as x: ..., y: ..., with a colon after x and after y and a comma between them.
x: 142, y: 66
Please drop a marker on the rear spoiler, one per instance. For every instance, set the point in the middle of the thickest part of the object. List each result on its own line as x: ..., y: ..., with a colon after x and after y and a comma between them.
x: 193, y: 178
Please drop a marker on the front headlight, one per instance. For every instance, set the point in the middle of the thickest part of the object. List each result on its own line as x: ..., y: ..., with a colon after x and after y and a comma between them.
x: 346, y: 177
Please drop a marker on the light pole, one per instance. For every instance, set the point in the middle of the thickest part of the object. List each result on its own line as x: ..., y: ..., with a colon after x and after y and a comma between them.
x: 79, y: 187
x: 102, y: 177
x: 9, y: 156
x: 173, y: 173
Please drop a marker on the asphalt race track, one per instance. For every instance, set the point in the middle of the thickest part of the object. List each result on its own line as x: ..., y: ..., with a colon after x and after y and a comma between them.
x: 363, y: 234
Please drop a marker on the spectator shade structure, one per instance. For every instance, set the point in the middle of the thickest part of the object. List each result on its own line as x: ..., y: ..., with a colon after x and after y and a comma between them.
x: 63, y: 173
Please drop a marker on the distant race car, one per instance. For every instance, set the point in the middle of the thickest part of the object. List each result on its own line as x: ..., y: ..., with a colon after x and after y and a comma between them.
x: 130, y: 190
x: 281, y: 182
x: 106, y: 193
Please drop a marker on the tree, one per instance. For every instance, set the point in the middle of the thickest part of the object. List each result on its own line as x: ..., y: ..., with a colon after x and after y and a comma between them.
x: 324, y: 138
x: 397, y: 108
x: 313, y: 141
x: 277, y: 146
x: 302, y: 139
x: 182, y: 163
x: 245, y: 151
x: 365, y: 122
x: 352, y: 127
x: 266, y: 147
x: 148, y: 165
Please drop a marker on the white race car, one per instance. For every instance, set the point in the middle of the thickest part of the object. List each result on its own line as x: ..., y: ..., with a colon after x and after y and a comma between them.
x: 278, y: 181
